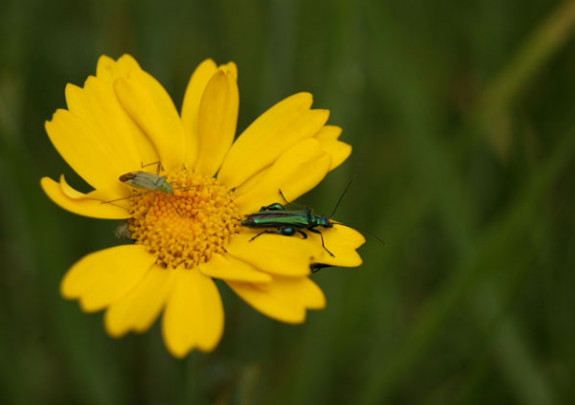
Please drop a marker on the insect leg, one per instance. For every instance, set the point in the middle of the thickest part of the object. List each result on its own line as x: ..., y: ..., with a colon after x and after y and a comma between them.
x: 322, y: 242
x: 152, y: 204
x: 272, y: 207
x: 173, y: 205
x: 153, y: 201
x: 315, y: 267
x: 283, y: 196
x: 125, y: 198
x: 306, y: 209
x: 282, y: 230
x: 261, y: 233
x: 158, y: 166
x: 167, y: 199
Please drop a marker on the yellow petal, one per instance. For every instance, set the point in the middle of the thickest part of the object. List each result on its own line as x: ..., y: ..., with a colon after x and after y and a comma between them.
x: 89, y: 205
x: 310, y: 294
x: 153, y: 111
x: 339, y: 151
x: 191, y: 106
x: 109, y: 70
x: 218, y: 114
x: 87, y: 152
x: 101, y: 278
x: 194, y: 314
x: 138, y: 310
x: 230, y: 68
x: 345, y: 236
x: 275, y: 131
x: 98, y: 107
x: 328, y: 143
x: 295, y: 172
x: 275, y: 254
x: 228, y: 268
x: 103, y: 101
x: 285, y: 299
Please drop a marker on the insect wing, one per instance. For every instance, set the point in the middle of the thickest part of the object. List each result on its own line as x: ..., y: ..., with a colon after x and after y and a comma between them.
x: 273, y: 219
x: 141, y: 180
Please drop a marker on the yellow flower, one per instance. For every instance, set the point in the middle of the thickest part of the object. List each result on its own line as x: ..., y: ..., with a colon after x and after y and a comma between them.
x: 123, y: 119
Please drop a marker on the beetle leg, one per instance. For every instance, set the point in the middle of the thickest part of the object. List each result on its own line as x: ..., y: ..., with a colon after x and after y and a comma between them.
x: 272, y: 207
x: 286, y: 230
x: 322, y: 242
x: 306, y: 209
x: 283, y: 196
x: 282, y: 230
x: 261, y: 233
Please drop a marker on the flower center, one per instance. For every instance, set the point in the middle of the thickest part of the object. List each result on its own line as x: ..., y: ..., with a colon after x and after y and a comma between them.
x: 187, y: 227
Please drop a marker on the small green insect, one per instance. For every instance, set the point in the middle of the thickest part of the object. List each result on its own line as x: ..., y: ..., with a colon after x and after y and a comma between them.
x: 147, y: 181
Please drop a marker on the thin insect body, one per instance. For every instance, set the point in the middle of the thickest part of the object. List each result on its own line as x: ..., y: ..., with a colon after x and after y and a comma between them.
x: 148, y: 182
x: 288, y: 222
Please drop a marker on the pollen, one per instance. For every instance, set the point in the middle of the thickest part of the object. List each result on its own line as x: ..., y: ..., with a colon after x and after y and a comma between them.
x: 185, y: 228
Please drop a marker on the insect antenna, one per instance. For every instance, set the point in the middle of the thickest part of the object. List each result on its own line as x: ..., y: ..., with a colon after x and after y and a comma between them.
x: 341, y: 197
x: 125, y: 198
x: 361, y: 230
x: 291, y: 202
x: 347, y: 226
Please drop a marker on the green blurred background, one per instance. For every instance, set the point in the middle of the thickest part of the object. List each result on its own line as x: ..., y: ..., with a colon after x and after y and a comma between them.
x: 461, y: 115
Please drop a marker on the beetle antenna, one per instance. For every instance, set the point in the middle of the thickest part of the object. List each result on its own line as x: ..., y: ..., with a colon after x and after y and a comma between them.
x: 361, y: 230
x: 342, y: 195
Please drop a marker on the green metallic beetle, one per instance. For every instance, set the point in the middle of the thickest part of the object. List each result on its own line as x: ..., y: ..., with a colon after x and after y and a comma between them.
x: 288, y: 222
x: 275, y: 219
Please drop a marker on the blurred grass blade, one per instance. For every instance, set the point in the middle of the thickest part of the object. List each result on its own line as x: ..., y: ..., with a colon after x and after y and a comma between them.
x: 494, y: 242
x: 533, y: 55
